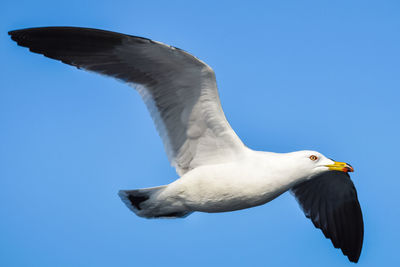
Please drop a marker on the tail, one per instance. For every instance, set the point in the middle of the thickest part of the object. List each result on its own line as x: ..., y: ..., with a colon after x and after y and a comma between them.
x: 146, y: 203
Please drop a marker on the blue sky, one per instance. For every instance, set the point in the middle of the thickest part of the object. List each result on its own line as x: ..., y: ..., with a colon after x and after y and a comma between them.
x: 292, y: 75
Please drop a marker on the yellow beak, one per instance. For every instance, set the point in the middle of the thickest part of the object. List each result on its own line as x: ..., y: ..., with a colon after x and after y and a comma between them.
x: 340, y: 166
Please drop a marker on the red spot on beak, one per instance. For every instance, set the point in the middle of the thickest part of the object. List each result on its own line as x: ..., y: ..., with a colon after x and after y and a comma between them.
x: 348, y: 168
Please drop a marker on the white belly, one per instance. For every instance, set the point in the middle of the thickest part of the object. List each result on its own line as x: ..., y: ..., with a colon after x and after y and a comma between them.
x: 227, y: 187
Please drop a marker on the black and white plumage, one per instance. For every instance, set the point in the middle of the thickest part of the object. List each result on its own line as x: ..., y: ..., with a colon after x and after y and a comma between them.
x: 218, y: 172
x: 179, y: 90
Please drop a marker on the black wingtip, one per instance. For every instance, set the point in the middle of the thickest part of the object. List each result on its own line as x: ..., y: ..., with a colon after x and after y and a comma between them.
x: 66, y: 44
x: 353, y: 258
x: 18, y: 35
x: 13, y: 34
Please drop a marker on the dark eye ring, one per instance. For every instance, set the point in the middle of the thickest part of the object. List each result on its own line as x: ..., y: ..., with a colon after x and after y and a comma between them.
x: 313, y: 157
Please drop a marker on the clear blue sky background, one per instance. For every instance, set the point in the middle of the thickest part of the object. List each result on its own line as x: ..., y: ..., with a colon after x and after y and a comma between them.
x: 293, y: 75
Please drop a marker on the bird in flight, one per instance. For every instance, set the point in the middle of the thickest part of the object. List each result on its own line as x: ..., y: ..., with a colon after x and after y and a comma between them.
x: 218, y: 173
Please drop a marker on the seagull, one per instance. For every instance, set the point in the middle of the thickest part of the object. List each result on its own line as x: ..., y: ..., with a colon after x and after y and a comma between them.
x: 217, y: 172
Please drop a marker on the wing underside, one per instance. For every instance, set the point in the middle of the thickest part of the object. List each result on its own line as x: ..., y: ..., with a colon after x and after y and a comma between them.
x: 179, y: 90
x: 330, y: 201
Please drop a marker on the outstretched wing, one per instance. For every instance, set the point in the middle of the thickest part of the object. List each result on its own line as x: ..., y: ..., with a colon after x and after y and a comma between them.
x: 330, y: 201
x: 179, y: 90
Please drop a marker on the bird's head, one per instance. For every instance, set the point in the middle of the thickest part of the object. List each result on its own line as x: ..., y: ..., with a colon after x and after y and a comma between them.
x: 313, y: 163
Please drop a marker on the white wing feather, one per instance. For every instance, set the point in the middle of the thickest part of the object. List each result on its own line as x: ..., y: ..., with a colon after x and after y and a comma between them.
x: 179, y: 90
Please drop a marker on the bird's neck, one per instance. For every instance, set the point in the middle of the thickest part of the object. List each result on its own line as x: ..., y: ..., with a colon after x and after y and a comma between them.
x: 279, y: 169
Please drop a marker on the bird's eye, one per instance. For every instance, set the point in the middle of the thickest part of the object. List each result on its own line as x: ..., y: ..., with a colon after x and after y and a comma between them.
x: 313, y: 157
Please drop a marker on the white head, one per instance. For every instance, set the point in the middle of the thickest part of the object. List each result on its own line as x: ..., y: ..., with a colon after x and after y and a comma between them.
x: 309, y: 163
